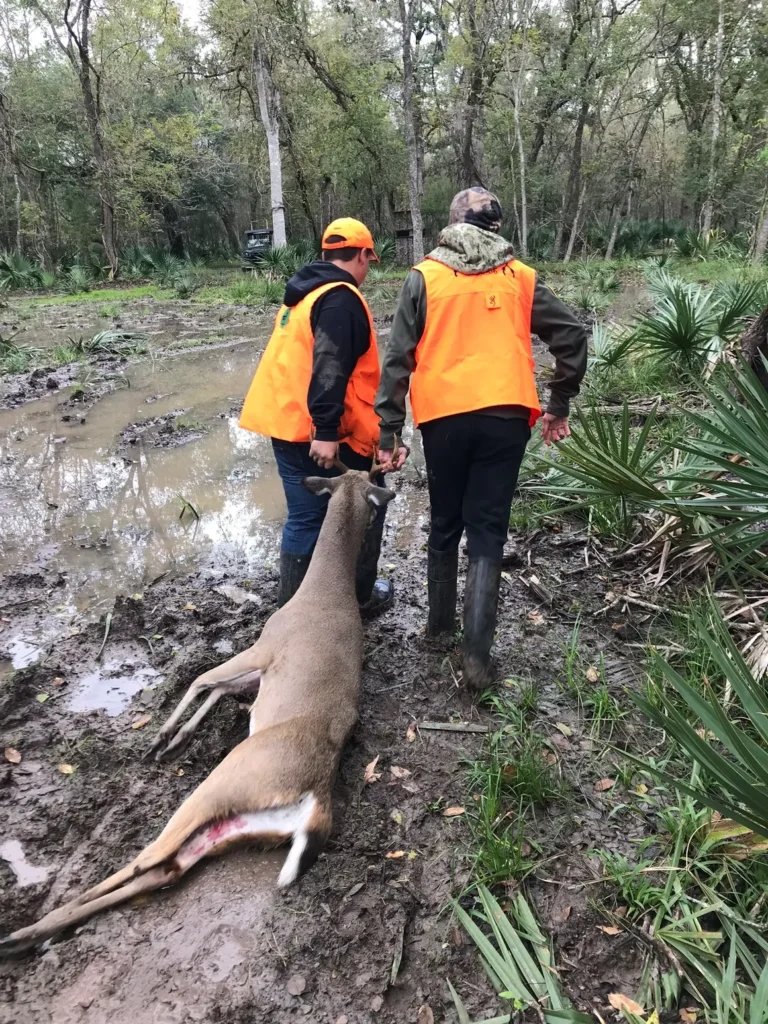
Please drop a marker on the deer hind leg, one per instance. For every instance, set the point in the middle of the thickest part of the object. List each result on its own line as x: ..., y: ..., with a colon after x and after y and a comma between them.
x: 241, y: 674
x: 305, y: 822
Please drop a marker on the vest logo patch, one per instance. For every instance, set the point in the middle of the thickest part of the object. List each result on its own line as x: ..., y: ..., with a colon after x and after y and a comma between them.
x: 285, y: 318
x: 492, y: 301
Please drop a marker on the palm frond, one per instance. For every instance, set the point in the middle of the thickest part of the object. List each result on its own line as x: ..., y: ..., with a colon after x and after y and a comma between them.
x: 517, y: 958
x: 735, y: 763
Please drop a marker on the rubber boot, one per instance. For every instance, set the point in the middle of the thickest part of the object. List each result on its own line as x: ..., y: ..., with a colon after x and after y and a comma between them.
x: 373, y: 595
x: 481, y: 598
x: 293, y: 569
x: 442, y: 570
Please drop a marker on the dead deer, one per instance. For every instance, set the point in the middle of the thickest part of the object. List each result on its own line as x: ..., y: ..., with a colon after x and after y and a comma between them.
x: 276, y: 785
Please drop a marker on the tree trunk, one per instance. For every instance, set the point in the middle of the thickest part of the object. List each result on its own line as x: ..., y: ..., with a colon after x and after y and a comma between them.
x: 411, y: 138
x: 269, y: 108
x: 17, y: 208
x: 614, y: 231
x: 519, y: 139
x: 576, y: 220
x: 470, y: 174
x: 298, y: 170
x: 761, y: 237
x: 717, y: 97
x: 574, y: 177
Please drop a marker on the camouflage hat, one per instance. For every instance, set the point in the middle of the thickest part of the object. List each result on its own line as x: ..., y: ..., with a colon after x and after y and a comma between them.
x: 476, y: 206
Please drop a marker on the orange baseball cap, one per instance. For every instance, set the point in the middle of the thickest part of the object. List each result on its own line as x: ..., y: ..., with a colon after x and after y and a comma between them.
x: 353, y: 234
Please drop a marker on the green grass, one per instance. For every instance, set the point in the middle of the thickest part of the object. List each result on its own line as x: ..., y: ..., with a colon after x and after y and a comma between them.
x: 101, y: 295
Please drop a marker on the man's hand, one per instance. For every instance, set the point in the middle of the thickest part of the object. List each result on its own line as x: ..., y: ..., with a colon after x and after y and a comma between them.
x: 324, y: 453
x: 554, y: 428
x: 388, y: 460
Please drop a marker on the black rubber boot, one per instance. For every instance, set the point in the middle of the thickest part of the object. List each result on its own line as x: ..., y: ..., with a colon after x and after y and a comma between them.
x: 373, y: 595
x: 442, y: 570
x: 293, y: 569
x: 481, y: 598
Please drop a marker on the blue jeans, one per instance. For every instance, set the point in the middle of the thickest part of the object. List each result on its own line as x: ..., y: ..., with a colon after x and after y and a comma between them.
x: 306, y: 511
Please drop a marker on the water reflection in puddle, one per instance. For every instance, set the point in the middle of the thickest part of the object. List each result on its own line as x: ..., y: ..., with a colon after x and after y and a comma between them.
x: 22, y: 652
x: 114, y: 512
x: 110, y: 687
x: 12, y: 852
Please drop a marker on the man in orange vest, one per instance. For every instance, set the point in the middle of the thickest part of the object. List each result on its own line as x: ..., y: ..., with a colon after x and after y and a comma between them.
x: 313, y: 393
x: 461, y: 338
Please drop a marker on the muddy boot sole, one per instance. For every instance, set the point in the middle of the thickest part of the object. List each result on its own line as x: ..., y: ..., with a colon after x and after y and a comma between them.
x: 479, y: 673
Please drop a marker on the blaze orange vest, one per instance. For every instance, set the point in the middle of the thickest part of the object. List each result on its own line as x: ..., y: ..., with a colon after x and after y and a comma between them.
x: 475, y: 351
x: 276, y: 403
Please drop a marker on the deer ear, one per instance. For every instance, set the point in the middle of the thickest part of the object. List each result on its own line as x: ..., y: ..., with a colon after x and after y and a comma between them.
x: 321, y: 484
x: 379, y: 495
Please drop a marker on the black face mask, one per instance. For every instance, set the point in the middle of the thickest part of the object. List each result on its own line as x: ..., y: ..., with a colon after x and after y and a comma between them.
x: 489, y: 218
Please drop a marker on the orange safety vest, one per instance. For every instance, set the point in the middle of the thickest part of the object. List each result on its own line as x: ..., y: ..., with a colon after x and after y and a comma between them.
x: 475, y: 351
x: 276, y: 403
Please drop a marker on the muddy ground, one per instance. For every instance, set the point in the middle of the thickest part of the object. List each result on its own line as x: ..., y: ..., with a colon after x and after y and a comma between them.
x: 364, y: 937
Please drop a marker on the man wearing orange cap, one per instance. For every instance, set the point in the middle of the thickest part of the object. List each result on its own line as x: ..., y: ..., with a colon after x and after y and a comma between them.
x: 313, y: 394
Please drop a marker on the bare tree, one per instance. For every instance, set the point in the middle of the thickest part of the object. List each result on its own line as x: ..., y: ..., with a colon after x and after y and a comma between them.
x: 407, y: 8
x: 269, y: 109
x: 717, y: 103
x: 77, y: 47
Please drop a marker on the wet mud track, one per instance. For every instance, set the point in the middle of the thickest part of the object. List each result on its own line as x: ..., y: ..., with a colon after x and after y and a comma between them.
x: 365, y: 935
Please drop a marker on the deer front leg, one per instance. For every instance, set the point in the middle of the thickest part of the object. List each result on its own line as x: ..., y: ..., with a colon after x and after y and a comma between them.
x: 240, y: 674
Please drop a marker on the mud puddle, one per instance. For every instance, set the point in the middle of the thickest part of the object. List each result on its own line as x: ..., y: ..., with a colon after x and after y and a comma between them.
x: 104, y: 496
x: 166, y: 323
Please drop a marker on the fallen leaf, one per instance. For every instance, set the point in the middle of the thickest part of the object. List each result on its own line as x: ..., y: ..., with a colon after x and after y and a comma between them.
x: 689, y: 1015
x: 376, y: 1003
x: 12, y: 755
x: 58, y: 681
x: 189, y: 607
x: 411, y: 732
x: 621, y: 1002
x: 141, y: 722
x: 562, y: 916
x: 354, y: 890
x: 397, y: 817
x: 395, y: 855
x: 536, y: 618
x: 641, y: 790
x: 605, y: 784
x: 296, y: 985
x: 453, y: 812
x: 509, y: 771
x: 66, y: 769
x: 609, y: 929
x: 592, y: 674
x: 705, y: 734
x: 456, y: 939
x: 621, y: 911
x: 566, y: 730
x: 371, y: 775
x: 425, y: 1015
x: 561, y: 742
x: 342, y: 1020
x: 42, y: 697
x: 179, y: 771
x: 549, y: 758
x: 399, y: 773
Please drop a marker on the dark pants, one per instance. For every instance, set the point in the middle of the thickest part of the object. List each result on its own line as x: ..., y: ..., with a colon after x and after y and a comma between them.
x: 472, y: 466
x: 306, y: 511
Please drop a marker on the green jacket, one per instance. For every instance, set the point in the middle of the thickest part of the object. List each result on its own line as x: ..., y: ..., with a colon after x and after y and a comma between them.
x: 470, y: 250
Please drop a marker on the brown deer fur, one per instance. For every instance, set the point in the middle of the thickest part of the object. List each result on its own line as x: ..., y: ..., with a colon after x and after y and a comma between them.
x: 275, y: 785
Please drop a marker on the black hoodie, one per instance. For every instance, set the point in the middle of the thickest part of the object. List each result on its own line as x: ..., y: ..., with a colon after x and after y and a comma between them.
x: 342, y: 334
